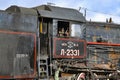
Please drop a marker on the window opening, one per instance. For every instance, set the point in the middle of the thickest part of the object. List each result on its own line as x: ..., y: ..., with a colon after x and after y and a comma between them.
x: 63, y: 29
x: 76, y: 30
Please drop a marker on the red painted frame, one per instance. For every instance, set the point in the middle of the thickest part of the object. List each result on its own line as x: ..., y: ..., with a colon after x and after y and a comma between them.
x: 71, y: 39
x: 100, y: 43
x: 28, y: 75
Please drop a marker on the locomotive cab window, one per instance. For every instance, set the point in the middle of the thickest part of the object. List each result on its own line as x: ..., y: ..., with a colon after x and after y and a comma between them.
x: 76, y: 30
x: 63, y: 29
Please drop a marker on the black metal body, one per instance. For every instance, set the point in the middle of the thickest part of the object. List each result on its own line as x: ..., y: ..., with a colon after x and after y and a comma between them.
x: 28, y: 35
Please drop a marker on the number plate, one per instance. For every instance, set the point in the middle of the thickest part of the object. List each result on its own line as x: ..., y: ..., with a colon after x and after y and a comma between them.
x: 69, y: 48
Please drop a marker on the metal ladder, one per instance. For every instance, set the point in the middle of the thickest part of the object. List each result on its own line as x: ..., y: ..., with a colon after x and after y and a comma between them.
x: 43, y: 68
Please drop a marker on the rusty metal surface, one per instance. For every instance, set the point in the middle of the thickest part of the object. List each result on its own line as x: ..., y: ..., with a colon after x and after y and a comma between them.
x: 18, y: 22
x: 16, y: 43
x: 16, y: 53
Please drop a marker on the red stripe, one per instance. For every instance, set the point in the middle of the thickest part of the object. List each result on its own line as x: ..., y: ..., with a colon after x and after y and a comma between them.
x: 107, y: 44
x: 5, y: 77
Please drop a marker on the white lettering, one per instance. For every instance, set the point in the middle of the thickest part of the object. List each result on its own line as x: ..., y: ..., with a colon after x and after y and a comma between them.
x: 75, y: 52
x: 70, y: 52
x: 62, y: 52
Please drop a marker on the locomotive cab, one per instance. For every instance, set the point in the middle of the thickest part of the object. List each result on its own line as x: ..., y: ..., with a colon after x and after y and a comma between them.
x: 68, y: 40
x: 61, y: 37
x: 65, y: 30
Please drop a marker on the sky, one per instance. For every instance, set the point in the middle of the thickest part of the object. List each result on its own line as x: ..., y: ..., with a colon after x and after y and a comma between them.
x: 96, y: 10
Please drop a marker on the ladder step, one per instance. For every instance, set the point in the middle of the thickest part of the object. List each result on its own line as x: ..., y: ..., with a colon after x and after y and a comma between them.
x: 43, y: 68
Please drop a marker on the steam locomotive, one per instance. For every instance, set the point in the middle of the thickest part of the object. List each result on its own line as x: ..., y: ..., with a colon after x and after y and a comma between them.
x: 37, y: 42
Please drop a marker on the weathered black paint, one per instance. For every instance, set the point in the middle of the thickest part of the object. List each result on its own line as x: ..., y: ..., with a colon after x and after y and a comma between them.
x: 16, y: 53
x: 18, y: 22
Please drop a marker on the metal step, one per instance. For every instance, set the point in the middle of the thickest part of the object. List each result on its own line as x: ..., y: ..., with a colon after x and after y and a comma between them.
x: 43, y: 68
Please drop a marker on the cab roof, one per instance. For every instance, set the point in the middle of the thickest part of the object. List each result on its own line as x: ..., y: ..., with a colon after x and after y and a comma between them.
x: 60, y: 13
